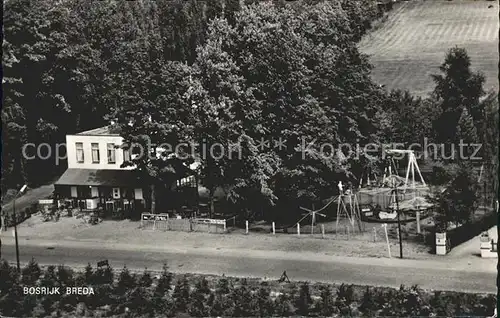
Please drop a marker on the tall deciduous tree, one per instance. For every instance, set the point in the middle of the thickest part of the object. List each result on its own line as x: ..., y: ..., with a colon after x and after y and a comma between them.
x: 294, y: 80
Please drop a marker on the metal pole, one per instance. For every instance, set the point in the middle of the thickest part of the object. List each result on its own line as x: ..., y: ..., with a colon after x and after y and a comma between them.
x: 15, y: 234
x: 399, y: 224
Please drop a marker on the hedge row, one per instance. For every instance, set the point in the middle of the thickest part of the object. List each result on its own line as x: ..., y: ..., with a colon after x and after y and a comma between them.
x: 127, y: 294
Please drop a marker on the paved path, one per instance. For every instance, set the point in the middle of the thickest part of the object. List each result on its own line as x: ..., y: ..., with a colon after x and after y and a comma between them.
x: 429, y: 274
x: 472, y: 246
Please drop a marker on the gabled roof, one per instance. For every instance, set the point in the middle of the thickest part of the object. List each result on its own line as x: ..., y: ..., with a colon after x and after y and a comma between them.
x: 110, y: 130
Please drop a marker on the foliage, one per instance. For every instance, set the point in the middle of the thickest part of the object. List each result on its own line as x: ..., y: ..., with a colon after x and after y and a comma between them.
x: 164, y: 281
x: 459, y: 201
x: 246, y: 300
x: 269, y: 78
x: 456, y: 88
x: 31, y: 273
x: 304, y: 301
x: 327, y: 302
x: 181, y: 294
x: 409, y: 119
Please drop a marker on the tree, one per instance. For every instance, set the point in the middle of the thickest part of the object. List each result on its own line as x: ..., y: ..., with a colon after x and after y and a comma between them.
x: 154, y: 120
x: 53, y: 83
x: 31, y: 273
x: 456, y: 88
x: 459, y: 201
x: 467, y: 134
x: 410, y: 119
x: 126, y: 281
x: 164, y: 281
x: 327, y: 303
x: 262, y: 302
x: 267, y: 79
x: 181, y: 295
x: 304, y: 299
x: 145, y: 280
x: 243, y: 298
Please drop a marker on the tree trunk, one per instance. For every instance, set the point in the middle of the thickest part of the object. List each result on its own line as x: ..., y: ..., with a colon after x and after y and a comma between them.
x: 211, y: 202
x: 153, y: 199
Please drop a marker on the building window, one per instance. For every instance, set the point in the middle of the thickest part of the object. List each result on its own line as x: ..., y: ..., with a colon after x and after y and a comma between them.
x: 79, y: 152
x: 111, y: 153
x: 95, y: 153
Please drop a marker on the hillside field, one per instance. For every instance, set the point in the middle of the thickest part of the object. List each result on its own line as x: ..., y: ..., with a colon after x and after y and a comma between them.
x: 411, y: 44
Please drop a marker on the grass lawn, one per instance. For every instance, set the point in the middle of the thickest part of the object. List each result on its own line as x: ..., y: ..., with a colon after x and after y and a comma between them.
x: 407, y: 48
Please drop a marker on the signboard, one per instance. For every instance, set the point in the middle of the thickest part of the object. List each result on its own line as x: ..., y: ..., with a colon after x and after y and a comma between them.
x: 46, y: 201
x: 154, y: 217
x: 209, y: 221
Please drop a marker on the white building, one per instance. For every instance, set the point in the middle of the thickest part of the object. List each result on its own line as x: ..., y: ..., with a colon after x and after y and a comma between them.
x: 94, y: 177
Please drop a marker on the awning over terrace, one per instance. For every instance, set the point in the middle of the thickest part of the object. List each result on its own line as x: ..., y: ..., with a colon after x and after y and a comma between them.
x: 94, y: 177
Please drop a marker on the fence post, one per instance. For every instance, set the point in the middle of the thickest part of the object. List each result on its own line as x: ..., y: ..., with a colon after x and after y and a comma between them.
x: 323, y: 230
x: 274, y: 229
x: 418, y: 222
x: 154, y: 224
x: 298, y: 229
x: 387, y: 239
x: 374, y: 234
x: 348, y: 233
x: 246, y: 227
x: 224, y: 225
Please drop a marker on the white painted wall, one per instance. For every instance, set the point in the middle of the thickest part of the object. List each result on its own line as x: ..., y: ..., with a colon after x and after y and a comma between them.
x: 103, y: 141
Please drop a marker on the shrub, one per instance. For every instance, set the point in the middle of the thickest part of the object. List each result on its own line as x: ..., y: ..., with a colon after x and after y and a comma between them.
x: 242, y: 297
x: 304, y: 300
x: 164, y: 281
x: 181, y: 294
x: 202, y: 286
x: 368, y: 304
x: 222, y: 286
x: 442, y: 304
x: 197, y: 306
x: 9, y: 277
x: 126, y: 281
x: 326, y: 305
x: 345, y: 297
x: 145, y: 280
x: 262, y: 302
x: 65, y: 276
x: 220, y: 305
x: 31, y: 273
x: 88, y: 275
x: 284, y: 305
x: 137, y: 301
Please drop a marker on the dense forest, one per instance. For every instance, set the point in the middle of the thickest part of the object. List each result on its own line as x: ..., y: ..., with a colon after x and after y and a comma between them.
x: 220, y: 71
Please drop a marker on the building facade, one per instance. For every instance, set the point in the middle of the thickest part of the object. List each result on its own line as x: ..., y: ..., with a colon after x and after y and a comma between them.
x: 95, y: 178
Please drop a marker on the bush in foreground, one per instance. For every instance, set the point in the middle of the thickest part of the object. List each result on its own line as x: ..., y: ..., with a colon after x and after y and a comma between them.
x: 148, y: 295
